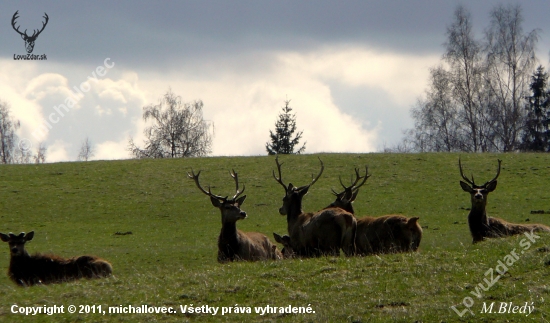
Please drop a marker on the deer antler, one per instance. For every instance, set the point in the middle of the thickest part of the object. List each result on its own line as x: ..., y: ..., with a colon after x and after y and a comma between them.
x: 498, y: 173
x: 280, y: 179
x: 357, y: 179
x: 15, y: 16
x: 354, y: 187
x: 209, y: 193
x: 236, y: 178
x: 466, y: 178
x: 318, y: 176
x: 35, y: 34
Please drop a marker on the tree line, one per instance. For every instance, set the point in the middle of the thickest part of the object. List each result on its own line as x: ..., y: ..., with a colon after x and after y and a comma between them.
x: 485, y: 95
x: 175, y: 130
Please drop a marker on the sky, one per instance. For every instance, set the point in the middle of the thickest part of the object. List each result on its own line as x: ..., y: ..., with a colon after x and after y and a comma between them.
x: 352, y: 70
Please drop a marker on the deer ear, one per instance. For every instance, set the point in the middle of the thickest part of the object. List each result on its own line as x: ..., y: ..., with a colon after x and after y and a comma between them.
x: 4, y: 237
x: 466, y: 187
x: 492, y: 186
x: 278, y: 238
x: 240, y: 200
x: 215, y: 201
x: 412, y: 222
x: 354, y: 196
x: 304, y: 191
x: 29, y: 236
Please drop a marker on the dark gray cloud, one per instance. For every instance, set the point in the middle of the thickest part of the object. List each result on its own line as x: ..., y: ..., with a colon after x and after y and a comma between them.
x: 237, y: 46
x: 150, y: 33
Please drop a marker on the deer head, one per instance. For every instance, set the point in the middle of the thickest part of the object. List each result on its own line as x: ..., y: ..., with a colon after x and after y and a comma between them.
x: 17, y: 242
x: 345, y: 198
x: 287, y: 250
x: 230, y: 208
x: 478, y: 193
x: 29, y: 40
x: 293, y: 194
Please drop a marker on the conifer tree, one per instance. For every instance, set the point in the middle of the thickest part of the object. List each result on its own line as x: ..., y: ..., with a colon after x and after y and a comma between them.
x: 537, y: 126
x: 281, y: 140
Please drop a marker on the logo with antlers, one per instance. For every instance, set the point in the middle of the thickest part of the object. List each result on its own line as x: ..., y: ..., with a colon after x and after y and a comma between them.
x: 29, y: 40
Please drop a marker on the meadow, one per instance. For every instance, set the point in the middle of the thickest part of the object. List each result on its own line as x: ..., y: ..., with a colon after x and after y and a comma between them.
x: 160, y: 234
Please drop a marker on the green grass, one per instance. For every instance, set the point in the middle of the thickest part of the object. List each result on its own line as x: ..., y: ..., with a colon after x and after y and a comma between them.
x: 170, y: 257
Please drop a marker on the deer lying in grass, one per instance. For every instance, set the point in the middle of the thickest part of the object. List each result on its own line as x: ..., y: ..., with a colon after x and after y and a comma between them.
x: 234, y: 244
x: 315, y: 234
x: 27, y: 270
x: 385, y: 234
x: 482, y: 226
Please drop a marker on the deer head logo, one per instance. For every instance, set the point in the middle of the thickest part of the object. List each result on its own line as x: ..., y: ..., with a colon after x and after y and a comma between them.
x: 29, y: 40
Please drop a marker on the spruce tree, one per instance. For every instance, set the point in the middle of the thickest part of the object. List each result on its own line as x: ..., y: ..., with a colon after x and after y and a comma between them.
x: 281, y: 139
x: 537, y: 125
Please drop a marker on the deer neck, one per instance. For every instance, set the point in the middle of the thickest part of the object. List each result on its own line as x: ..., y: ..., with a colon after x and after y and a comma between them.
x: 22, y: 255
x: 477, y: 219
x: 348, y: 207
x: 228, y: 242
x: 294, y: 211
x: 229, y: 231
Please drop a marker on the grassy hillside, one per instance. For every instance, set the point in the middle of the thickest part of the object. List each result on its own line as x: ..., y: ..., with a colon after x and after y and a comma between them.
x: 169, y: 259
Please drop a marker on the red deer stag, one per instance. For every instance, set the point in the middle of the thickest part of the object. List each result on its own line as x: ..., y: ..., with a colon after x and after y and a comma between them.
x: 27, y: 270
x: 315, y: 234
x: 482, y: 226
x: 385, y: 234
x: 234, y: 244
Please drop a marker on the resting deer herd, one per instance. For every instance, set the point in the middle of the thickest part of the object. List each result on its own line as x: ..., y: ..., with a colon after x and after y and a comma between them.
x: 326, y: 232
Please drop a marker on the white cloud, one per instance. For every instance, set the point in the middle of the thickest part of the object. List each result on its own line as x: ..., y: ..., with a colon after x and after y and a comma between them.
x: 242, y: 102
x: 403, y: 76
x: 58, y: 152
x: 111, y: 150
x: 101, y: 111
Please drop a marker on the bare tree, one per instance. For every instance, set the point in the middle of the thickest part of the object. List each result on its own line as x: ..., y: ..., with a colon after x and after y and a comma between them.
x: 13, y: 150
x: 466, y: 77
x: 8, y: 138
x: 178, y: 130
x: 87, y: 150
x: 474, y: 102
x: 40, y: 157
x: 23, y: 154
x: 510, y: 61
x: 435, y: 117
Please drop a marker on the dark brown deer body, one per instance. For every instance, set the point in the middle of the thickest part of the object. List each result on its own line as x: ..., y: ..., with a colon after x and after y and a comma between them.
x: 27, y: 270
x: 385, y: 234
x: 482, y: 226
x: 234, y: 244
x: 315, y: 234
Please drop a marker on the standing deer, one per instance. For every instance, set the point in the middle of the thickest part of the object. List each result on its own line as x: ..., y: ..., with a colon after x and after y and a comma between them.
x: 27, y: 270
x: 314, y: 234
x: 385, y: 234
x: 482, y: 226
x: 234, y: 244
